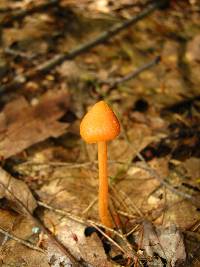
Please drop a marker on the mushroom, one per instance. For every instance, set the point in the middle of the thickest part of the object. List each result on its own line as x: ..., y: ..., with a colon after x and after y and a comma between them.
x: 100, y: 125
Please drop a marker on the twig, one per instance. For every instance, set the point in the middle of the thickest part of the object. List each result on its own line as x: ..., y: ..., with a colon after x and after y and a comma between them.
x: 70, y: 165
x: 145, y: 166
x: 132, y: 230
x: 92, y: 223
x: 133, y: 73
x: 20, y: 14
x: 17, y: 53
x: 58, y: 59
x: 162, y: 181
x: 131, y: 205
x: 62, y: 212
x: 89, y: 206
x: 74, y: 217
x: 22, y: 241
x: 106, y: 236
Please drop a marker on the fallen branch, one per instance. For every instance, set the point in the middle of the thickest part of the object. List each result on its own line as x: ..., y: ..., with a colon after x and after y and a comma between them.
x: 20, y: 14
x: 21, y: 79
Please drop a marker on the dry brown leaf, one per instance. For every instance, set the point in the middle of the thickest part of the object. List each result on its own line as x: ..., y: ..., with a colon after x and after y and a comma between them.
x: 165, y: 242
x: 193, y: 49
x: 170, y: 54
x: 184, y: 216
x: 88, y: 249
x: 24, y: 256
x: 17, y: 192
x: 192, y: 167
x: 24, y: 125
x: 137, y: 188
x: 70, y: 189
x: 13, y: 253
x: 35, y: 27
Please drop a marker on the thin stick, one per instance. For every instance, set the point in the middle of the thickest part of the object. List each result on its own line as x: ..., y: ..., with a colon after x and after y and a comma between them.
x: 144, y: 167
x: 162, y: 181
x: 132, y: 230
x: 147, y: 168
x: 62, y: 212
x: 17, y: 53
x: 60, y: 58
x: 133, y: 73
x: 22, y: 241
x: 89, y: 206
x: 110, y: 239
x: 88, y: 222
x: 71, y: 165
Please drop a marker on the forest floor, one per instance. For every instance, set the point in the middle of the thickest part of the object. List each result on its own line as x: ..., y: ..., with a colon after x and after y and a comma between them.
x: 58, y: 58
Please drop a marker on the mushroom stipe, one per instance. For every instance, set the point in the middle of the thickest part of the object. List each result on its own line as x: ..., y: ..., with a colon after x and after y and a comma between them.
x: 100, y: 125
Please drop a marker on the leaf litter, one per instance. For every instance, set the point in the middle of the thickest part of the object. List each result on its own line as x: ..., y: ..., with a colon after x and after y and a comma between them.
x: 64, y: 176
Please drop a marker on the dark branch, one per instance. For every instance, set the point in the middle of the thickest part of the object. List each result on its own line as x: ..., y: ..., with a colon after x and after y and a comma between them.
x: 58, y: 59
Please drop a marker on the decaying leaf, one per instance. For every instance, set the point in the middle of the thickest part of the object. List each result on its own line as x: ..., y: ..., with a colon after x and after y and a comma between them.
x: 22, y: 125
x: 24, y: 257
x: 86, y: 249
x: 167, y: 243
x: 192, y: 167
x: 12, y: 252
x: 17, y: 192
x: 193, y: 49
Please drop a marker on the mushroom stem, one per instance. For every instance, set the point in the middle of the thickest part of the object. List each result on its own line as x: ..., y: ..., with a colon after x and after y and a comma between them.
x: 103, y: 184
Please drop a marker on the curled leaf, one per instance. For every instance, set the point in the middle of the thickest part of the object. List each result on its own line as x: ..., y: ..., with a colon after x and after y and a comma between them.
x: 16, y: 192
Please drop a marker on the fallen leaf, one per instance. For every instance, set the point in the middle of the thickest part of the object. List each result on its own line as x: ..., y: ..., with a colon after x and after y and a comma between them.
x: 24, y: 125
x: 14, y: 253
x: 17, y: 192
x: 192, y: 167
x: 170, y: 54
x: 72, y: 235
x: 193, y: 49
x: 166, y: 242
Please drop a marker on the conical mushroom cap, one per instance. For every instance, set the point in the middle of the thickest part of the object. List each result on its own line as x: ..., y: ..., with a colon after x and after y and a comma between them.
x: 99, y: 124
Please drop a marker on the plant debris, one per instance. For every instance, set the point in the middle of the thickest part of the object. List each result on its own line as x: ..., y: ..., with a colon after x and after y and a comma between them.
x: 59, y: 58
x: 17, y: 193
x: 25, y: 125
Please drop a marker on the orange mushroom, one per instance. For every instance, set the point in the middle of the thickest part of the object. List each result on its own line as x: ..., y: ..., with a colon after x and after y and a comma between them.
x: 100, y: 125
